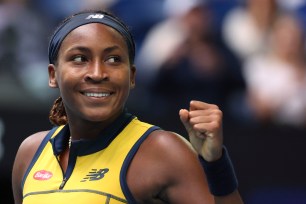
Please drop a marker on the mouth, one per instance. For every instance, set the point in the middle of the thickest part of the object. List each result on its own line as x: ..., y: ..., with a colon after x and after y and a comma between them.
x: 96, y: 95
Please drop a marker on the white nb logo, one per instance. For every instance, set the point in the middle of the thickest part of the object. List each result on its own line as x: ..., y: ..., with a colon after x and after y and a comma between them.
x: 95, y: 16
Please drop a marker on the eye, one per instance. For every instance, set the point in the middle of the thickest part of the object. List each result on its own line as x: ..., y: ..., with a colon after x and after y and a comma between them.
x: 113, y: 59
x: 78, y: 58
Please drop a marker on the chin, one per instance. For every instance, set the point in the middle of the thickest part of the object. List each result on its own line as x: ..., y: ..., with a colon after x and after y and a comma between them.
x: 99, y: 115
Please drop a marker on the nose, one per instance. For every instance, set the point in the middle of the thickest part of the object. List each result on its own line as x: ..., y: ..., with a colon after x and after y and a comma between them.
x: 96, y: 72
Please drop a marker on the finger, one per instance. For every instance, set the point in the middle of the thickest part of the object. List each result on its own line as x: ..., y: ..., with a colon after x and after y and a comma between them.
x: 202, y: 118
x: 185, y: 119
x: 206, y: 118
x: 207, y: 115
x: 204, y: 123
x: 184, y: 116
x: 199, y: 105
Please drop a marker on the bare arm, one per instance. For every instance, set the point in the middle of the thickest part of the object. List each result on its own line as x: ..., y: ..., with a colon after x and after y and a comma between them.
x: 166, y: 170
x: 203, y: 123
x: 23, y: 158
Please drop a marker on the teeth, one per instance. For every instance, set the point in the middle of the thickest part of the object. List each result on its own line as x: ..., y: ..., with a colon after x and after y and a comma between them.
x: 96, y: 94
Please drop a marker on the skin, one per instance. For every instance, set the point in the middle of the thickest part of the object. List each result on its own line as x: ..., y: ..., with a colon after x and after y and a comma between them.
x: 101, y: 64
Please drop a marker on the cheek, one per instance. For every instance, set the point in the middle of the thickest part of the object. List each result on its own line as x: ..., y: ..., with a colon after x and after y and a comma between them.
x: 66, y: 82
x: 124, y: 82
x: 128, y: 81
x: 121, y: 77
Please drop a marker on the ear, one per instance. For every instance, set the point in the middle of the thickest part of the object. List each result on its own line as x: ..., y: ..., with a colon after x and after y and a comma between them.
x: 52, y: 76
x: 133, y: 76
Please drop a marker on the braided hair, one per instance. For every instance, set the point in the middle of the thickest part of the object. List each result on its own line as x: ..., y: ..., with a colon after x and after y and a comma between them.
x: 57, y: 114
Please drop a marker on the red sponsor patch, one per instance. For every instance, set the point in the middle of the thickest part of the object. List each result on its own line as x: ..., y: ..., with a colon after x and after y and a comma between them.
x: 42, y: 175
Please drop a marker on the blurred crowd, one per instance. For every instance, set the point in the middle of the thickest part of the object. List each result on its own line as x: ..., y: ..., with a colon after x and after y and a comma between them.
x: 246, y: 56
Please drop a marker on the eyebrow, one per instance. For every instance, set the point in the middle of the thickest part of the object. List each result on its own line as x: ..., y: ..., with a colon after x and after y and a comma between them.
x: 87, y: 50
x: 78, y: 48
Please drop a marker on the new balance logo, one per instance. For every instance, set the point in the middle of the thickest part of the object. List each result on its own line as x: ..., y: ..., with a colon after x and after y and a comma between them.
x: 95, y: 174
x: 95, y: 16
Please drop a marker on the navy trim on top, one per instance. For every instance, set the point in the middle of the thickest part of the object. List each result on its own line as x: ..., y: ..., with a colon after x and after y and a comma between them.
x: 37, y: 154
x: 85, y: 147
x: 126, y: 191
x: 59, y: 143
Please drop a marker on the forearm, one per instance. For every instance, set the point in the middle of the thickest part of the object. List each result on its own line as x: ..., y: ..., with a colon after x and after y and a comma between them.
x: 222, y: 180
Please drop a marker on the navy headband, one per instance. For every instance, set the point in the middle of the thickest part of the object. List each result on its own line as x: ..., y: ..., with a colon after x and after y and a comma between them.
x: 86, y: 18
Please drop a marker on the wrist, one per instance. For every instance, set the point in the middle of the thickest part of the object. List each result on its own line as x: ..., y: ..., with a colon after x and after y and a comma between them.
x: 212, y: 156
x: 220, y: 174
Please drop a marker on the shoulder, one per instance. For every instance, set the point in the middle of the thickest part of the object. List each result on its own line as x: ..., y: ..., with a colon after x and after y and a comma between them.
x: 163, y: 149
x: 170, y: 151
x: 164, y: 163
x: 161, y: 141
x: 23, y: 158
x: 26, y: 151
x: 28, y: 148
x: 31, y: 143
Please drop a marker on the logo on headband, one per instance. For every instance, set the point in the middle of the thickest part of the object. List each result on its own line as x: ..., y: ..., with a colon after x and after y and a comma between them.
x: 95, y: 16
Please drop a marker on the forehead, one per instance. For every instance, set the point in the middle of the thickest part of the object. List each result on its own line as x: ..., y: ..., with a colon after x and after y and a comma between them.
x: 94, y: 32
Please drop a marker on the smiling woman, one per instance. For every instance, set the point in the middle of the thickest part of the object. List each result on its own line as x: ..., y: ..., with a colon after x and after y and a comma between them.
x: 88, y: 67
x: 97, y: 152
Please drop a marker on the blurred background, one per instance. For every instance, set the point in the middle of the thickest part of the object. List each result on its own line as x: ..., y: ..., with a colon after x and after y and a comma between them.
x: 246, y: 56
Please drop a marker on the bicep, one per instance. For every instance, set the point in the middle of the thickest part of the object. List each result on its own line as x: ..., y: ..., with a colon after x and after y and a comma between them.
x: 176, y: 166
x: 188, y: 181
x: 17, y: 175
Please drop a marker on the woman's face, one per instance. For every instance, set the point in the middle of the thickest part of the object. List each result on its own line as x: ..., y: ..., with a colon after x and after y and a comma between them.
x: 93, y: 73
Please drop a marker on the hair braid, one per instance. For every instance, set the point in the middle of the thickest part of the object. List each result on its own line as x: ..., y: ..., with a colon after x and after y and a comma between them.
x: 57, y: 114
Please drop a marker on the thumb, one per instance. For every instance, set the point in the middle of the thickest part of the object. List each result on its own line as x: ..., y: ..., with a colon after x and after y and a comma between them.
x: 184, y: 116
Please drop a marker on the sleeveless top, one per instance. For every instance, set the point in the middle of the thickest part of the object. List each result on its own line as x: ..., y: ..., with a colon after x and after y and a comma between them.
x: 96, y: 171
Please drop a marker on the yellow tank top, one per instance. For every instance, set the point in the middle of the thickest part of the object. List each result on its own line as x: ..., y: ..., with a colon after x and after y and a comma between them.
x: 96, y: 171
